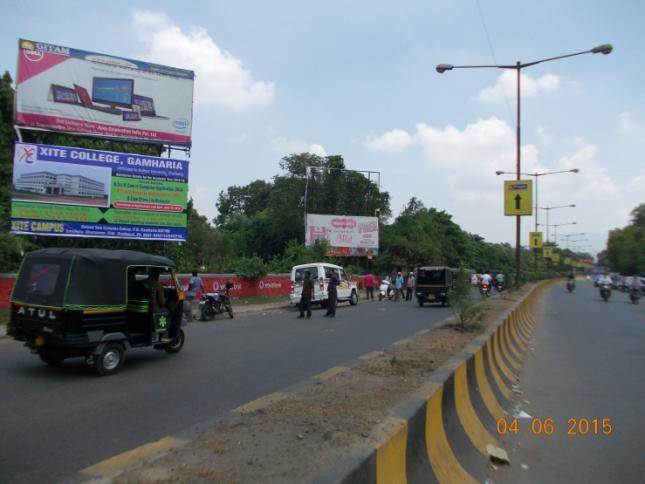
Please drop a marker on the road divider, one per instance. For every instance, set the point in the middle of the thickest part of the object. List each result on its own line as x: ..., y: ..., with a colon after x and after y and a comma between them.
x: 447, y: 435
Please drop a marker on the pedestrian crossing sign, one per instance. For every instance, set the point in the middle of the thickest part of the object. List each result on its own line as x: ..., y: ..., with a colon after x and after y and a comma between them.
x: 535, y: 240
x: 518, y: 197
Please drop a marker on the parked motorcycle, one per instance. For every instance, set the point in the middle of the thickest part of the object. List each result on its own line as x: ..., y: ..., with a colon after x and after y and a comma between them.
x: 571, y: 285
x: 605, y: 292
x: 634, y: 296
x: 385, y: 290
x: 213, y: 303
x: 484, y: 290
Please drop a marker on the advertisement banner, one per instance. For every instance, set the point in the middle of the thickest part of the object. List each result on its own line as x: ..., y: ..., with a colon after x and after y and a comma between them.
x: 64, y: 89
x: 74, y: 192
x: 347, y: 235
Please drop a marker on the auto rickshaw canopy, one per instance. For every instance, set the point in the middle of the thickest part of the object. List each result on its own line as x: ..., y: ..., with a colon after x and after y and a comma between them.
x: 80, y: 278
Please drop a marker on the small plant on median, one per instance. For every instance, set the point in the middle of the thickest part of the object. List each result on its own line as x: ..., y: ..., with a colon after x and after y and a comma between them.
x: 464, y: 305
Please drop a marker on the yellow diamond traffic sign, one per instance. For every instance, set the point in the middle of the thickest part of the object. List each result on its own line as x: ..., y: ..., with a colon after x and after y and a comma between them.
x: 535, y: 240
x: 518, y: 197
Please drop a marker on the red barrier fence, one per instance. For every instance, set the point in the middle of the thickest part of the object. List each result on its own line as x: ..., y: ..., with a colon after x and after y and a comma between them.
x: 270, y: 286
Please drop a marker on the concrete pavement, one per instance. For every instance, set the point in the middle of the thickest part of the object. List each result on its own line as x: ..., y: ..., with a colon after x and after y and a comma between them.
x: 56, y: 421
x: 587, y: 363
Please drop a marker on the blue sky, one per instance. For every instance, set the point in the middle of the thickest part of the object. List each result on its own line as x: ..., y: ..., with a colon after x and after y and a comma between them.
x: 358, y: 79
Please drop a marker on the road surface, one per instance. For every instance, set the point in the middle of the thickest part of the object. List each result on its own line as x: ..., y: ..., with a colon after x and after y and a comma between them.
x: 588, y: 363
x: 56, y: 421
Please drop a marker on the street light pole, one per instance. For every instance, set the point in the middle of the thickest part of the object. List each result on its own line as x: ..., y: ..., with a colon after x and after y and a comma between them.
x: 441, y: 68
x: 518, y: 219
x: 548, y: 209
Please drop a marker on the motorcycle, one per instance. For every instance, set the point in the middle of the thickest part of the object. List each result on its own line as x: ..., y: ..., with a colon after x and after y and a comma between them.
x: 213, y: 303
x: 605, y: 292
x: 571, y: 285
x: 385, y: 290
x: 499, y: 286
x: 634, y: 296
x: 484, y: 290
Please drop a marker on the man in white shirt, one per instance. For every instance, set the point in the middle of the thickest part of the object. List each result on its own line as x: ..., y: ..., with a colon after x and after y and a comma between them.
x: 487, y: 279
x: 605, y: 279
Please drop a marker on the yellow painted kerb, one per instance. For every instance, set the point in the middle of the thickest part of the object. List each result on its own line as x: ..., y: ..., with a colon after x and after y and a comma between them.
x: 474, y: 428
x: 114, y: 465
x: 444, y: 463
x: 390, y: 457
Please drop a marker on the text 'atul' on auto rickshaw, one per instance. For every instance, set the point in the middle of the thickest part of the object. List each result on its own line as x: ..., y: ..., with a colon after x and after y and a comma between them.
x: 96, y: 304
x: 433, y: 284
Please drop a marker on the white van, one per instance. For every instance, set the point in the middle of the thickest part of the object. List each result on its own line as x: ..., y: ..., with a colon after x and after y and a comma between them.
x: 320, y: 272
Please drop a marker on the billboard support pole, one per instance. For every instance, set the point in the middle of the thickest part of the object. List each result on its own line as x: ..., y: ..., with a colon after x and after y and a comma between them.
x: 18, y: 133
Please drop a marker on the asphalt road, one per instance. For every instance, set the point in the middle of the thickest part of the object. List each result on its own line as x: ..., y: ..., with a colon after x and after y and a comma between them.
x: 56, y: 421
x: 588, y: 363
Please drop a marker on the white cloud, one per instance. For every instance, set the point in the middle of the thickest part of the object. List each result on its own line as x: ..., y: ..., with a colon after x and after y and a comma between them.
x: 627, y: 125
x: 392, y: 141
x: 286, y: 146
x: 507, y: 85
x: 220, y: 78
x: 544, y: 135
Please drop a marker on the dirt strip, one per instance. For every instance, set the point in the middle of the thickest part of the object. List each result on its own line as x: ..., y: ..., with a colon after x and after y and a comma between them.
x: 296, y: 435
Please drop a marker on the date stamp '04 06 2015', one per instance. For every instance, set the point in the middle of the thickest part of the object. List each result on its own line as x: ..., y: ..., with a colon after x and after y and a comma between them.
x: 546, y: 426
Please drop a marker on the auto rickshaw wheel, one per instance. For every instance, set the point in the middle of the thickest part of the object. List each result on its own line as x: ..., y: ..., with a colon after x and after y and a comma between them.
x: 51, y: 357
x: 110, y: 360
x: 177, y: 344
x: 353, y: 301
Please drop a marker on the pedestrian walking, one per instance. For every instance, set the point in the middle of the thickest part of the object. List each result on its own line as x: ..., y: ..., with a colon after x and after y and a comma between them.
x: 369, y: 287
x: 332, y: 293
x: 409, y: 287
x: 195, y: 284
x: 398, y: 287
x: 305, y: 296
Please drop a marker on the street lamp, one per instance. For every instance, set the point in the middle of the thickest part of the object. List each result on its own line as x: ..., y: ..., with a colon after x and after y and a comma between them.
x: 555, y: 231
x: 548, y: 209
x: 518, y: 66
x: 537, y: 175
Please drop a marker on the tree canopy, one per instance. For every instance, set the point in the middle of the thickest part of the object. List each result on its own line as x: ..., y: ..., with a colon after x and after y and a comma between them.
x: 626, y: 247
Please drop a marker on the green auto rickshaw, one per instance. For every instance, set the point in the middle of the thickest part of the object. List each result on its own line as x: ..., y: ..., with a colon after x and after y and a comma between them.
x: 96, y: 304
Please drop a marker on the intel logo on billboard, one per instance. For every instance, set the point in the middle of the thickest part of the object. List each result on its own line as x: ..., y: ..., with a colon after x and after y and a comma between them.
x: 181, y: 123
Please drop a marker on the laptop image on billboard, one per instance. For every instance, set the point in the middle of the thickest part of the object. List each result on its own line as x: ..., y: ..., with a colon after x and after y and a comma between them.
x: 62, y: 94
x: 86, y: 101
x: 112, y: 91
x: 146, y: 106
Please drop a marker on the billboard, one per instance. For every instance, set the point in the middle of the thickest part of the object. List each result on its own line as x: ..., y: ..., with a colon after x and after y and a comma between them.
x: 64, y: 89
x: 347, y: 235
x: 74, y: 192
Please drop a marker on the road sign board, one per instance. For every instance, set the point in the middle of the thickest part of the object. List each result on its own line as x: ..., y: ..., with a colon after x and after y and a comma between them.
x: 547, y: 252
x: 555, y: 258
x: 518, y: 197
x: 567, y: 261
x: 535, y: 240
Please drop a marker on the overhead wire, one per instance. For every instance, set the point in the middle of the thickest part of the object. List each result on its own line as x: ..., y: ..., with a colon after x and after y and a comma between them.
x: 492, y: 53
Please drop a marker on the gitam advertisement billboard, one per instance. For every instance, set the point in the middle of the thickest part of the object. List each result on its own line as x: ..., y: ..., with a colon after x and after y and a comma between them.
x: 347, y: 235
x: 71, y: 90
x: 74, y: 192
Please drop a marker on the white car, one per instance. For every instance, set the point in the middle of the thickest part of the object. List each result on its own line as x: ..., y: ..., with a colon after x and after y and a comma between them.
x: 320, y: 272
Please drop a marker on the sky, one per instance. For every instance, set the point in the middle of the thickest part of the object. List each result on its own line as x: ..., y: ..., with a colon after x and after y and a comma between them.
x: 358, y: 79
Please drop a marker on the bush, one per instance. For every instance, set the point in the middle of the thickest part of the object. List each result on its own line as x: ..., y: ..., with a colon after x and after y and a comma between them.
x: 251, y: 267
